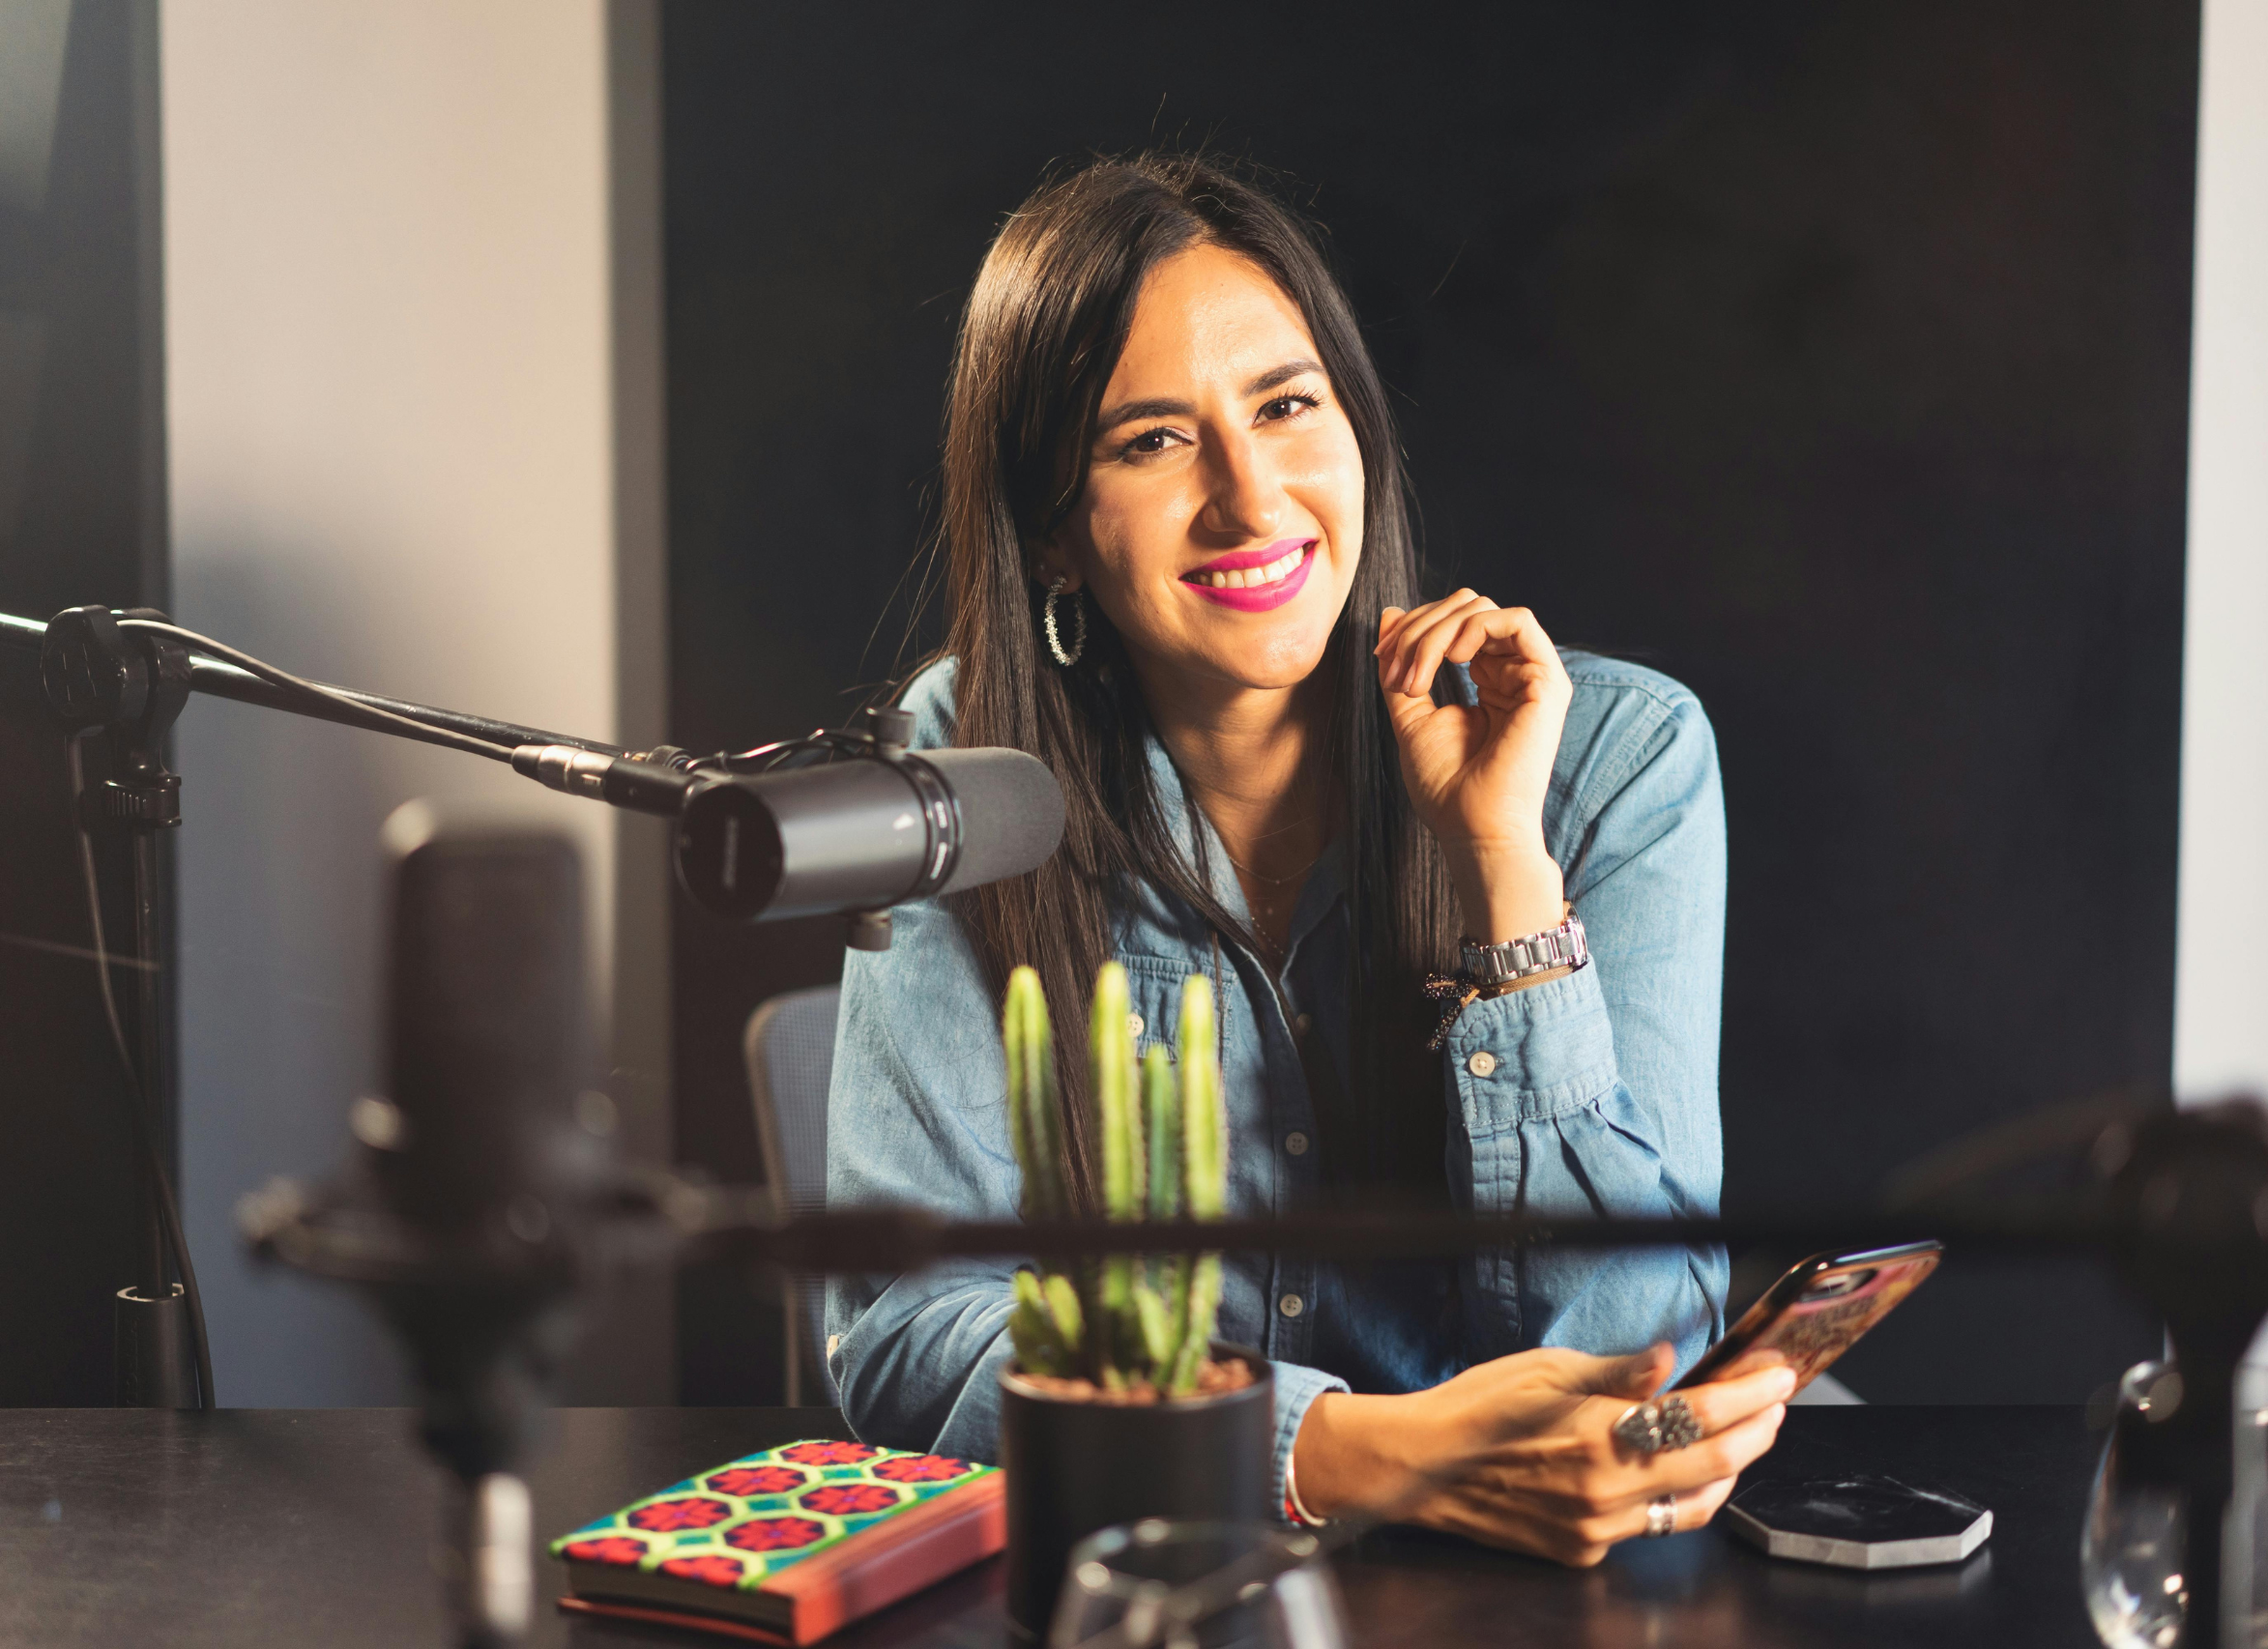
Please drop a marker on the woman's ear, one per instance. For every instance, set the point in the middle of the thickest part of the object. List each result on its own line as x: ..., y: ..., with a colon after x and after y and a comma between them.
x: 1053, y: 563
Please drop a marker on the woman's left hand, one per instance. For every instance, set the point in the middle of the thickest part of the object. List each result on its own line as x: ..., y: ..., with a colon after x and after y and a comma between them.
x: 1521, y: 1452
x: 1477, y: 774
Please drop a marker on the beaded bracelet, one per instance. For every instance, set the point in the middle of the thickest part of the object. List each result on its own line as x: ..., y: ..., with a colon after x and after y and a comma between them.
x: 1457, y: 991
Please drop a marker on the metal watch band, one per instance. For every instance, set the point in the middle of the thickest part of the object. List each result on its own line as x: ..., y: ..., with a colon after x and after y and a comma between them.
x: 1562, y: 946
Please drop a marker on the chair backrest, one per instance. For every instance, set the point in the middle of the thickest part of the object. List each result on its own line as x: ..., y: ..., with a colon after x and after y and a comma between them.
x: 789, y: 1051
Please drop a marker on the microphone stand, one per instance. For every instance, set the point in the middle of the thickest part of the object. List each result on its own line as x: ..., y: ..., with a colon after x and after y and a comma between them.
x: 128, y: 687
x: 126, y: 676
x: 483, y: 1332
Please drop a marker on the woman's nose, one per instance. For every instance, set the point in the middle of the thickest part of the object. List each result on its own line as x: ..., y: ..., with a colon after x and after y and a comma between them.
x: 1245, y: 498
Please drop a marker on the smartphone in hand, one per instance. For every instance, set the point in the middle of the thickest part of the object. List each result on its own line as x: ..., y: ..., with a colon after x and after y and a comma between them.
x: 1817, y: 1310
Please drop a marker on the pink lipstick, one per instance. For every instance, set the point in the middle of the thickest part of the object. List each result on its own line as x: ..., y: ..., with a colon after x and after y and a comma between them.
x: 1254, y: 581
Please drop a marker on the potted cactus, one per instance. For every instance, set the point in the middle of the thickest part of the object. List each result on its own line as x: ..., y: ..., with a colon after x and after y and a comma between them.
x: 1119, y: 1404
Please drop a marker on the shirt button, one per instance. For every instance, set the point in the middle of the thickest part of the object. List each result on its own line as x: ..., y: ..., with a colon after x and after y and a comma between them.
x: 1482, y: 1064
x: 1290, y: 1305
x: 1303, y: 1023
x: 834, y: 1344
x: 1133, y: 1025
x: 1296, y: 1143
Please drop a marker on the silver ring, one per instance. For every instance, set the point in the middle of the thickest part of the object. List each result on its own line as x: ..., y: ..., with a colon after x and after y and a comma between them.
x: 1649, y: 1427
x: 1660, y: 1516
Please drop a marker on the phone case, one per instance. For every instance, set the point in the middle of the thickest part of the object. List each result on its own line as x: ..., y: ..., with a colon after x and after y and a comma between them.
x: 1816, y: 1312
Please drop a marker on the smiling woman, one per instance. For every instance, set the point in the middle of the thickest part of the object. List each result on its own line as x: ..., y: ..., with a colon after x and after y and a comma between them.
x: 1256, y: 472
x: 1283, y: 769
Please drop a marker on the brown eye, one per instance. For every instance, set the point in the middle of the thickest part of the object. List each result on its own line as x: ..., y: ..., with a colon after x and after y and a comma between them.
x: 1287, y: 406
x: 1149, y: 442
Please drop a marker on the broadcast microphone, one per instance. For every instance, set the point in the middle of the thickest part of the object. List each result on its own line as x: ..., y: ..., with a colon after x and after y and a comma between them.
x: 863, y: 835
x: 883, y: 827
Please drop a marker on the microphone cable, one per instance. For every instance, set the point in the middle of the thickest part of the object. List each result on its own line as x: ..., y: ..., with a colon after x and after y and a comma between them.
x: 137, y: 1101
x: 372, y: 717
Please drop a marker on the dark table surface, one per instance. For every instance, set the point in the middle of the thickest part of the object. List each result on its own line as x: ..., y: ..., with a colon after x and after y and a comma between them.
x: 318, y: 1527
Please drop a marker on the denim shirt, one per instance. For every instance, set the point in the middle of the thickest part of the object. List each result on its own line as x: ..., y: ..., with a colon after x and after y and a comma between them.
x: 1596, y: 1092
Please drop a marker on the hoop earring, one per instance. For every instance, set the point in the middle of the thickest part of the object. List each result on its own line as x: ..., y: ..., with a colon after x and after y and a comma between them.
x: 1055, y: 641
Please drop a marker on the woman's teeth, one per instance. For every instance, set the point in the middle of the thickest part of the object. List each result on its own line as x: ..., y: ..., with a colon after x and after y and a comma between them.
x: 1251, y: 577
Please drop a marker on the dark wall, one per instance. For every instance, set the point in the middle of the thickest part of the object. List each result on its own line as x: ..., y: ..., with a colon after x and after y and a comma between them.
x: 1831, y: 357
x: 83, y: 519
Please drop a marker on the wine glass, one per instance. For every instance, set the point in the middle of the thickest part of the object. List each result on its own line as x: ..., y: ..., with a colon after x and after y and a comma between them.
x: 1188, y: 1585
x: 2137, y: 1519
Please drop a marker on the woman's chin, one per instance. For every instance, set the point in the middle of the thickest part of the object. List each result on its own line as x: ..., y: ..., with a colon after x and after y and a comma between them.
x: 1262, y: 651
x: 1272, y: 664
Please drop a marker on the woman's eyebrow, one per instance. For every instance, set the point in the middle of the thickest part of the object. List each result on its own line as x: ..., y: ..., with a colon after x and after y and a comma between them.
x: 1127, y: 412
x: 1283, y: 374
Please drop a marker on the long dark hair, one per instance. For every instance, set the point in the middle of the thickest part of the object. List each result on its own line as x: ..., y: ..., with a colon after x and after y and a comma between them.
x: 1040, y: 336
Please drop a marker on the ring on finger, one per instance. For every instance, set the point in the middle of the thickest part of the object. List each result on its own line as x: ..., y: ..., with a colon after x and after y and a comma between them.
x: 1660, y: 1516
x: 1649, y: 1427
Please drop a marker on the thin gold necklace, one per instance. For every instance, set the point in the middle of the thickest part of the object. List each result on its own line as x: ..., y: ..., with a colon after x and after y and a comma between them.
x: 1274, y: 881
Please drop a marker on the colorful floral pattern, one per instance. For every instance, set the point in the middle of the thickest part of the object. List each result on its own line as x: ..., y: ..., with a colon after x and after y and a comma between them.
x: 664, y: 1516
x: 618, y: 1549
x: 712, y: 1570
x: 851, y: 1500
x: 752, y: 1481
x: 776, y: 1534
x: 700, y: 1529
x: 920, y: 1468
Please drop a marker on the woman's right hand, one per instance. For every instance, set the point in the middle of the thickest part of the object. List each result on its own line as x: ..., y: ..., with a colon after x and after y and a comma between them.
x: 1519, y: 1451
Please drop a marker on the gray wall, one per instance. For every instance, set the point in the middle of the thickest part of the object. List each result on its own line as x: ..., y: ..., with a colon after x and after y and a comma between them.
x: 409, y: 254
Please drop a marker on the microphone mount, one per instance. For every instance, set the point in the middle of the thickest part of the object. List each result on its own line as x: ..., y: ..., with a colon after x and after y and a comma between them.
x: 719, y: 824
x: 116, y: 671
x: 126, y: 677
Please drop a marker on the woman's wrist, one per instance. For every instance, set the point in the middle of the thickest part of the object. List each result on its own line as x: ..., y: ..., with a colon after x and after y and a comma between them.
x: 1326, y: 1453
x: 1506, y: 891
x: 1354, y: 1449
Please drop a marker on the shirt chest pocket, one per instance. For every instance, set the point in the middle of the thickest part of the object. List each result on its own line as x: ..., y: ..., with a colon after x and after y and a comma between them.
x: 1153, y: 989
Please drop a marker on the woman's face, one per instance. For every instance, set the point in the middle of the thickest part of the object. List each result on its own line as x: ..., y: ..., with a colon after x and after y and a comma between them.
x: 1222, y: 518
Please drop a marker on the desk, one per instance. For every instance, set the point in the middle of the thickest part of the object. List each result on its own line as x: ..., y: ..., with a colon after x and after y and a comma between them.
x: 315, y: 1527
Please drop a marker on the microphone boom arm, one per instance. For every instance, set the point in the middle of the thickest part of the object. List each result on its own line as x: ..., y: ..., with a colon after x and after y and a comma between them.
x: 222, y: 679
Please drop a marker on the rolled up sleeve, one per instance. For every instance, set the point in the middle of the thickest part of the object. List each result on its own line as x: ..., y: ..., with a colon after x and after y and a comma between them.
x: 1596, y: 1093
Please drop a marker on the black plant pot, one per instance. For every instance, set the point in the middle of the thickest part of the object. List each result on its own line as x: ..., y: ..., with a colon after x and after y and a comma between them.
x: 1074, y: 1467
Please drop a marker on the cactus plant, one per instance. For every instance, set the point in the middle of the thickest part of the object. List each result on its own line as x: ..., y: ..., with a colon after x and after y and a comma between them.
x: 1127, y: 1319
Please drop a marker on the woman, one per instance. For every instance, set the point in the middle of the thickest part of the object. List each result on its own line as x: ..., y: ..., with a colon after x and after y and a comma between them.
x: 1182, y: 573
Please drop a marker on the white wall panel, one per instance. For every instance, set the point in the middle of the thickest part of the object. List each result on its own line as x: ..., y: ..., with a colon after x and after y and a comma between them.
x: 390, y: 377
x: 2221, y: 988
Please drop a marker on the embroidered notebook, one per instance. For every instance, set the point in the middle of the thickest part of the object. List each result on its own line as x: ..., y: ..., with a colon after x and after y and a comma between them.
x: 787, y: 1545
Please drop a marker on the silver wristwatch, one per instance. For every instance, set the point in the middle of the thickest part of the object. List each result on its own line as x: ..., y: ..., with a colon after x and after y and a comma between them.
x: 1562, y: 946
